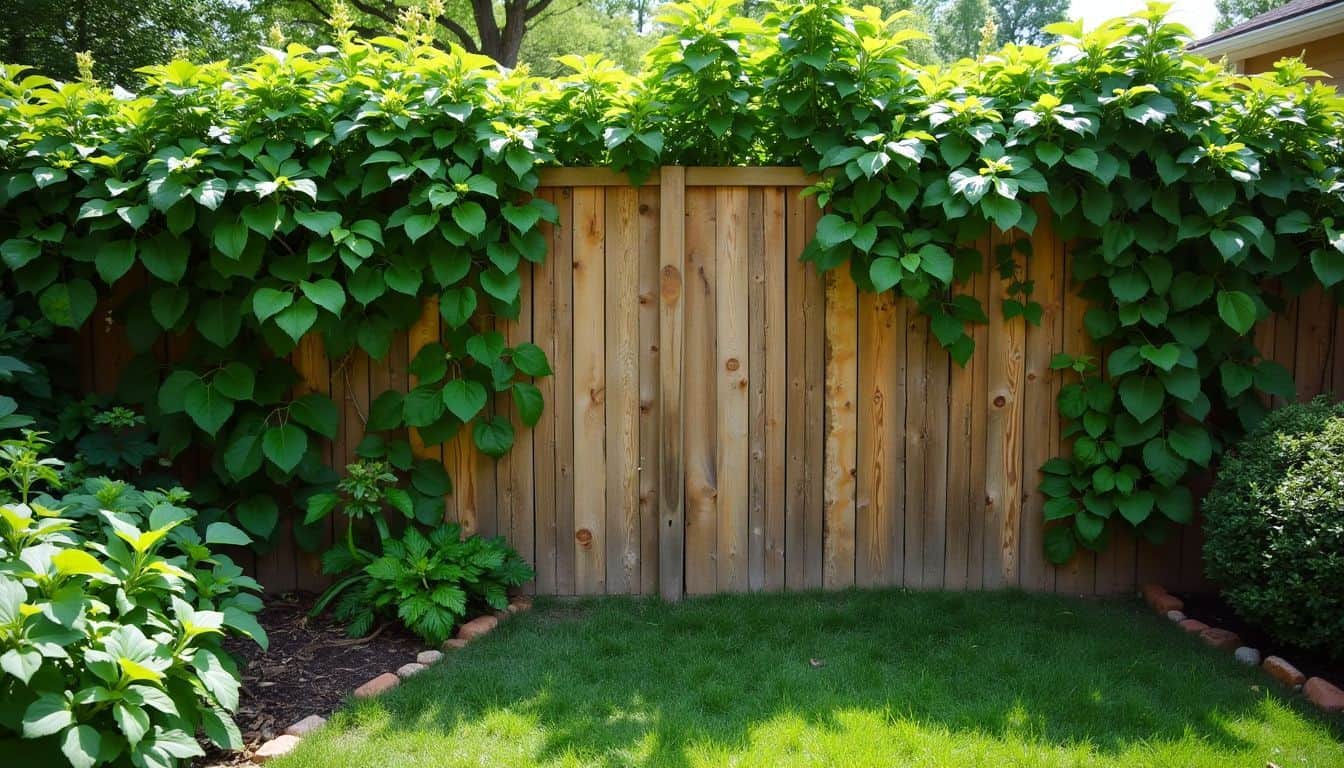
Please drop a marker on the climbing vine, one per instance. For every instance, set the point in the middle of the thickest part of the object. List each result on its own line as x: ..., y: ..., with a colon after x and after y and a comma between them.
x: 327, y: 191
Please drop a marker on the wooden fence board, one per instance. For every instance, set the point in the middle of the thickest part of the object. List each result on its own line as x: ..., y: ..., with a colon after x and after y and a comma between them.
x: 622, y: 390
x: 916, y: 446
x: 936, y: 420
x: 961, y: 405
x: 870, y: 508
x: 732, y: 372
x: 1003, y: 468
x: 671, y: 389
x: 701, y: 441
x: 756, y: 390
x: 841, y: 427
x: 590, y: 412
x: 775, y: 380
x: 795, y: 496
x: 649, y: 443
x: 814, y: 341
x: 544, y: 434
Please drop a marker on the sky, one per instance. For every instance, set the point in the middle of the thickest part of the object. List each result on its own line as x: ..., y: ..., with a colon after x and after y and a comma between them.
x: 1198, y: 15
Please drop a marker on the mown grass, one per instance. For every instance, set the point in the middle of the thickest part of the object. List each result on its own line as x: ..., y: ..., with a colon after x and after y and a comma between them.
x: 906, y: 679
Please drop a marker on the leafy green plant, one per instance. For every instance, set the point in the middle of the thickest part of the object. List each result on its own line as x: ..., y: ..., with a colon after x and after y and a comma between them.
x: 111, y: 625
x: 367, y: 491
x: 1274, y: 526
x: 432, y: 581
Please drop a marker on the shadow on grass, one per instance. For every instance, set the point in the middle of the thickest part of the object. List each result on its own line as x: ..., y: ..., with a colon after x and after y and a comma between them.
x: 851, y: 677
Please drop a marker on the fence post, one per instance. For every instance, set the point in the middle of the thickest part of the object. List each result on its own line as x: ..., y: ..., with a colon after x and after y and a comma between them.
x: 671, y: 493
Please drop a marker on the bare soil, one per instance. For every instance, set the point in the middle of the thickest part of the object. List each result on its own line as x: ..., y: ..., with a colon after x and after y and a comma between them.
x: 310, y: 668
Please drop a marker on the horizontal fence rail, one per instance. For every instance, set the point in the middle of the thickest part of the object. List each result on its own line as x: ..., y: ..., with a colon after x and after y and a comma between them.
x: 723, y: 418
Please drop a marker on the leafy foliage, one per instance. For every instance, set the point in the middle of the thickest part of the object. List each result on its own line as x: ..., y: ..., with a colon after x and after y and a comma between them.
x: 432, y: 581
x: 320, y: 191
x: 208, y: 183
x: 1274, y: 526
x: 1234, y: 12
x: 112, y: 611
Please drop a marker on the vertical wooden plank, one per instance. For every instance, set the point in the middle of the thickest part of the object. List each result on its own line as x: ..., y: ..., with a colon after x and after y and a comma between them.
x: 545, y: 333
x: 1315, y: 326
x: 1040, y: 441
x: 795, y: 508
x: 880, y: 492
x: 732, y: 378
x: 961, y: 402
x: 756, y: 510
x: 563, y: 363
x: 590, y: 457
x: 774, y: 380
x: 310, y: 362
x: 1336, y: 360
x: 622, y: 389
x: 916, y: 445
x: 1078, y: 575
x: 1286, y: 339
x: 814, y: 424
x: 649, y: 442
x: 514, y: 470
x: 1003, y: 461
x: 841, y: 329
x: 701, y: 412
x: 461, y: 459
x: 937, y: 425
x: 353, y: 371
x: 978, y: 511
x: 671, y: 328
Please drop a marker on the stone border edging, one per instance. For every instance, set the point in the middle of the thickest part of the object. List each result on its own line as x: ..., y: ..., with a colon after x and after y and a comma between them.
x: 1323, y: 694
x: 471, y: 630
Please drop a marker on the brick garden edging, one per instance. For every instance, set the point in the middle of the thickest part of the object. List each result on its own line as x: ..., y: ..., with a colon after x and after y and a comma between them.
x: 1326, y: 696
x: 471, y: 630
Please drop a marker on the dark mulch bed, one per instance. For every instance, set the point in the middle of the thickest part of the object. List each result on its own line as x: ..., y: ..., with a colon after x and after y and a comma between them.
x: 309, y: 669
x: 1212, y: 610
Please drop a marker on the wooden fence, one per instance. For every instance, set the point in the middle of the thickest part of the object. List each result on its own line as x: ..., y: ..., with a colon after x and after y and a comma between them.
x: 723, y: 418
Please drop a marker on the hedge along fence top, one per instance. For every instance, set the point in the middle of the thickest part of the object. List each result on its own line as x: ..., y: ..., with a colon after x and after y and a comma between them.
x: 323, y: 191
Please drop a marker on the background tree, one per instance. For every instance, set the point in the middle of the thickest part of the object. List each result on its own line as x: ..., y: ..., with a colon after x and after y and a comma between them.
x: 582, y: 27
x: 958, y: 26
x: 122, y: 35
x: 1233, y: 12
x: 1022, y: 21
x: 495, y: 28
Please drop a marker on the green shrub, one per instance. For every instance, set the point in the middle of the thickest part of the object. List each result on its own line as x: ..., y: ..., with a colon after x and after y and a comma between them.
x: 112, y: 619
x: 433, y: 580
x: 1274, y: 526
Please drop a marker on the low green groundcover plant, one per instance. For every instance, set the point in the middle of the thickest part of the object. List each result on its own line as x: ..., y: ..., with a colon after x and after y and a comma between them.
x: 325, y: 192
x: 113, y: 608
x: 1274, y: 526
x: 429, y: 580
x: 870, y: 679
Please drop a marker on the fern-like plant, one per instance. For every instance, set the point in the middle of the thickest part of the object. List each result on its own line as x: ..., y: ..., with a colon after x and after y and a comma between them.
x: 431, y: 582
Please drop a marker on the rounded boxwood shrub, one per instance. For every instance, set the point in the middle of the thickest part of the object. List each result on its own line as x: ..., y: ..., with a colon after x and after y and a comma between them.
x: 1274, y: 526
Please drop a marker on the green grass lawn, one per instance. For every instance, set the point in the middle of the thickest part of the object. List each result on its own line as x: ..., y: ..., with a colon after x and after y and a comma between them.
x: 906, y: 679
